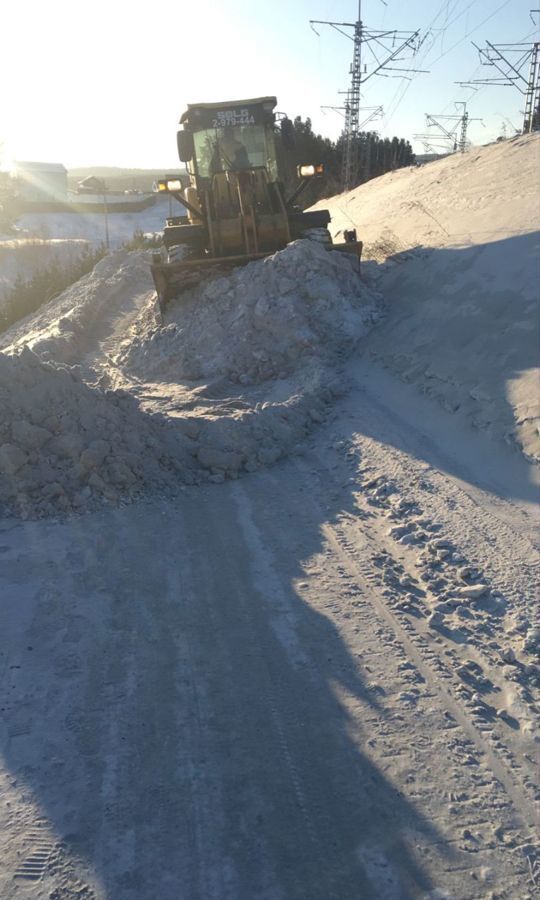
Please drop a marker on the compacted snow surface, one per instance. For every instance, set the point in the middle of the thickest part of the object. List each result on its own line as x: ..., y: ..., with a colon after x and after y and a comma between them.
x: 268, y: 564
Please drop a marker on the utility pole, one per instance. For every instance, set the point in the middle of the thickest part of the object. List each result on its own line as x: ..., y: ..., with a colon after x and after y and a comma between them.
x: 532, y: 97
x: 384, y: 47
x: 375, y: 112
x: 350, y: 157
x: 450, y: 134
x: 103, y: 188
x: 510, y: 61
x: 463, y: 131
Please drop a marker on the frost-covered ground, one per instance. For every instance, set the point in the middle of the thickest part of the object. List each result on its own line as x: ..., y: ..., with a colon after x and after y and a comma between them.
x: 268, y: 611
x: 40, y: 238
x: 458, y: 251
x: 91, y: 226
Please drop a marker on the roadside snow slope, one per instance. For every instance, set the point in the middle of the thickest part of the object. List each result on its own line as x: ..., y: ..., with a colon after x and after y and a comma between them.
x: 456, y: 243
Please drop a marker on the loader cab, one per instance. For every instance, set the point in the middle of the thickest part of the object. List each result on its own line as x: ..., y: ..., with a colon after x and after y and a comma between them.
x: 230, y: 151
x: 228, y: 137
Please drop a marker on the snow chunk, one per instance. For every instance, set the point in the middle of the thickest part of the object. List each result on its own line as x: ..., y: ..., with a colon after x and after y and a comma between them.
x: 262, y: 321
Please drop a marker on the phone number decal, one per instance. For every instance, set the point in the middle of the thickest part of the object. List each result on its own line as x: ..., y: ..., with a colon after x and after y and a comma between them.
x: 225, y: 117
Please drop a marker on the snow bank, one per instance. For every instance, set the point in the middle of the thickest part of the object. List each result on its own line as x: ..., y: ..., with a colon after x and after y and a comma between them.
x: 456, y: 247
x: 66, y: 446
x: 261, y: 321
x: 242, y: 371
x: 62, y: 329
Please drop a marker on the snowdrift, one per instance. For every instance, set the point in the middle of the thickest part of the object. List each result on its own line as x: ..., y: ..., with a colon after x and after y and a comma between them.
x: 454, y: 249
x: 261, y: 321
x: 240, y: 371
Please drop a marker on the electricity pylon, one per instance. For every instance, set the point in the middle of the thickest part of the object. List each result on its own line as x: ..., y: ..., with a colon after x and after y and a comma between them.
x: 510, y: 61
x: 385, y: 47
x: 456, y: 136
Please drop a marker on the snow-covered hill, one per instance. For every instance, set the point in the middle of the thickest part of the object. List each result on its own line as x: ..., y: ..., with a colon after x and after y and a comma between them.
x: 454, y: 249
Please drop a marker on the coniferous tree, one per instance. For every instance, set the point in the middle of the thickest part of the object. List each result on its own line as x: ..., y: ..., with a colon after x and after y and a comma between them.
x: 375, y: 157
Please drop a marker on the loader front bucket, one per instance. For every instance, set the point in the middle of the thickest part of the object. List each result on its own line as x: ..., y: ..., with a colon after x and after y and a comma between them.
x: 173, y: 279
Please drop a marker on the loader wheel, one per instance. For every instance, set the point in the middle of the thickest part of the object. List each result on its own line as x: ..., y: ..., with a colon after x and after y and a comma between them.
x: 321, y: 235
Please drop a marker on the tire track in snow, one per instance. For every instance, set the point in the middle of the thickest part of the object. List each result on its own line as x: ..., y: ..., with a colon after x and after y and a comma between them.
x: 429, y: 662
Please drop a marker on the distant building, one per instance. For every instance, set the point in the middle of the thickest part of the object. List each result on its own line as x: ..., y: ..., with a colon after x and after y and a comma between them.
x: 39, y: 182
x: 91, y: 185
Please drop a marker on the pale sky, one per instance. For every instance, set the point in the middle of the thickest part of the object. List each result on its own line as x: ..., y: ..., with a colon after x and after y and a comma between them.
x: 105, y: 83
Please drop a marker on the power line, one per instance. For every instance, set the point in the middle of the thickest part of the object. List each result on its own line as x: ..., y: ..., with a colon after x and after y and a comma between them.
x: 386, y: 46
x: 476, y: 27
x: 510, y: 61
x: 403, y: 88
x: 432, y: 63
x: 468, y: 83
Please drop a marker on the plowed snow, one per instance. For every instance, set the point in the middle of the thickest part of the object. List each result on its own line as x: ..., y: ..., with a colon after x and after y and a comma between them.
x: 68, y: 444
x: 262, y: 321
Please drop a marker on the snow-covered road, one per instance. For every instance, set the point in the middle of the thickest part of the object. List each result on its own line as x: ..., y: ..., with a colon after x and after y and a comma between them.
x: 239, y: 695
x: 267, y: 598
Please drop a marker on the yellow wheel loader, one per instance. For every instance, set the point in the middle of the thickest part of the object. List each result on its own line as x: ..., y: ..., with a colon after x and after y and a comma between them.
x: 235, y: 209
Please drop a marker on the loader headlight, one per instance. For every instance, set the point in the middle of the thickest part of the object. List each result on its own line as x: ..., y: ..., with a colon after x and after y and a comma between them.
x: 310, y: 170
x: 168, y: 184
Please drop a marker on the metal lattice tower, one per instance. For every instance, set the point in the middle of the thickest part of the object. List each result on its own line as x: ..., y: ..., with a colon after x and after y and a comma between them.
x: 509, y: 60
x: 386, y: 46
x: 532, y: 98
x: 349, y: 169
x: 449, y: 133
x: 462, y: 143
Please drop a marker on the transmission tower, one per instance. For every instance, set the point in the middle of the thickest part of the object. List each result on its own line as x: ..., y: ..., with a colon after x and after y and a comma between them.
x: 454, y: 137
x: 384, y: 47
x: 374, y: 112
x: 510, y: 60
x: 531, y: 121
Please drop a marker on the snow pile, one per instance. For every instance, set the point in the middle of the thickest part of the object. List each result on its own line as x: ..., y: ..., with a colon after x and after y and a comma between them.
x: 242, y: 371
x: 260, y: 322
x: 66, y: 446
x: 61, y: 330
x: 458, y: 243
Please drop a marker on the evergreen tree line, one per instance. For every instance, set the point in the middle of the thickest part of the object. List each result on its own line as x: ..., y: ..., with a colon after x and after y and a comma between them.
x: 376, y: 156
